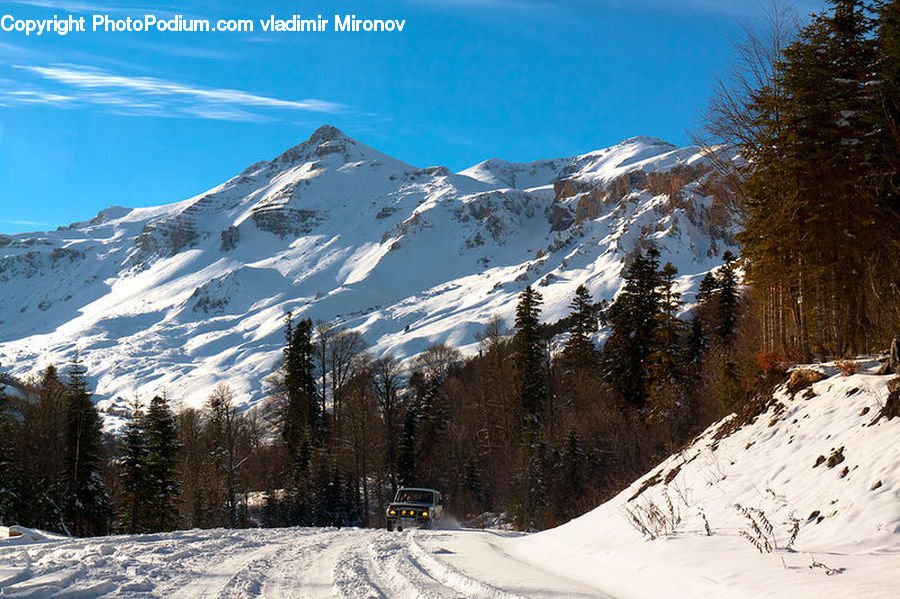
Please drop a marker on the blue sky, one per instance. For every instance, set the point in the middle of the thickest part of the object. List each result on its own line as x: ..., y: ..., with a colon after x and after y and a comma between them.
x: 92, y: 120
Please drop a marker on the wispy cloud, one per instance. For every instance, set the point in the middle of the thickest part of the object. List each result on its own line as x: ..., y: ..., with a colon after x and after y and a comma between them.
x: 68, y: 85
x: 27, y: 223
x: 34, y: 97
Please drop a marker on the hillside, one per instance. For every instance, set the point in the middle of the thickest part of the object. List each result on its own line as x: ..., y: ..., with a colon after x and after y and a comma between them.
x: 182, y: 296
x: 847, y: 543
x: 820, y: 457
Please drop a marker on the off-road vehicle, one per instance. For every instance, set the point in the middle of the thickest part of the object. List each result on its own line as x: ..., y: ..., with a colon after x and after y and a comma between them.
x: 415, y: 507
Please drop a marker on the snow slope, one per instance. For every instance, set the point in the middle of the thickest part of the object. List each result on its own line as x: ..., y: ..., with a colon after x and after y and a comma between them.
x: 849, y: 524
x: 181, y: 296
x: 849, y: 512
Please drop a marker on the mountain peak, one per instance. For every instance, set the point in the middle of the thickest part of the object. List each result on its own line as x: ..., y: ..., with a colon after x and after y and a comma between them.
x: 324, y: 140
x: 326, y: 133
x: 646, y: 140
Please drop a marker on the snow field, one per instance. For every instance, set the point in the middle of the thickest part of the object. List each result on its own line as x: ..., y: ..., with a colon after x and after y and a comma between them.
x: 308, y: 563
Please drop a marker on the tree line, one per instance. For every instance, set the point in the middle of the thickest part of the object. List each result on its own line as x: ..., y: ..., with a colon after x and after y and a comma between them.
x: 815, y: 113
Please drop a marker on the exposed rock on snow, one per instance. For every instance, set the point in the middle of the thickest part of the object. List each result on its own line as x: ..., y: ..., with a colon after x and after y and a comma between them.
x: 332, y: 228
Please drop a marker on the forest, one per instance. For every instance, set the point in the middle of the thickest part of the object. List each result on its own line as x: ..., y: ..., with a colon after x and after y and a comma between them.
x: 548, y: 419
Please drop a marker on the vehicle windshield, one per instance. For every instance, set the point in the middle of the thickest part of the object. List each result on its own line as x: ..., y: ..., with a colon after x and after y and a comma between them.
x: 415, y: 496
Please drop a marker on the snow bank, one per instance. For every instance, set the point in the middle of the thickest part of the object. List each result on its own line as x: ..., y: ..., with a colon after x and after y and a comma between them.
x: 19, y: 535
x: 815, y: 465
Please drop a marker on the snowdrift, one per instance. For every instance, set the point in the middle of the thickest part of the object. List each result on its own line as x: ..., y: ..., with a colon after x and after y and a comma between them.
x: 804, y: 501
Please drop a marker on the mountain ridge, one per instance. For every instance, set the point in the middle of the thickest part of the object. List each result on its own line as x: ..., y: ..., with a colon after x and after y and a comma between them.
x: 181, y: 295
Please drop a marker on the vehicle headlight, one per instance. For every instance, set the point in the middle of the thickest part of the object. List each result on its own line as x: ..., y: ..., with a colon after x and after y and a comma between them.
x: 393, y: 512
x: 425, y: 514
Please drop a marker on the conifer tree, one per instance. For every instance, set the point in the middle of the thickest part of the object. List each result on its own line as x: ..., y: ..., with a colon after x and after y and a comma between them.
x: 708, y: 288
x: 87, y: 506
x: 44, y: 432
x: 136, y: 494
x: 299, y: 418
x: 579, y: 352
x: 530, y: 360
x: 162, y: 448
x: 472, y: 481
x: 887, y: 155
x: 727, y: 301
x: 536, y: 496
x: 665, y: 360
x: 666, y: 373
x: 817, y: 223
x: 633, y: 320
x: 301, y: 410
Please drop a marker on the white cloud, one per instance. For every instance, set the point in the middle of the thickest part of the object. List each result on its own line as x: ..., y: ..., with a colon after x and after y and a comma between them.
x: 34, y: 97
x: 149, y: 96
x: 27, y: 223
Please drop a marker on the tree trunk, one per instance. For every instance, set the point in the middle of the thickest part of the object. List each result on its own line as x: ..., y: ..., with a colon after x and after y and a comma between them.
x: 820, y: 341
x: 804, y: 330
x: 892, y: 366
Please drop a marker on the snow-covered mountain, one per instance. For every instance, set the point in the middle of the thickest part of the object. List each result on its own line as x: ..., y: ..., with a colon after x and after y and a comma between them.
x: 181, y: 296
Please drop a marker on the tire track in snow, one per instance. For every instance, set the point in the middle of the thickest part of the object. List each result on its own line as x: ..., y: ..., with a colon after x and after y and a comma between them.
x: 244, y: 569
x: 248, y: 581
x: 453, y: 578
x: 306, y: 570
x: 353, y: 576
x: 395, y: 562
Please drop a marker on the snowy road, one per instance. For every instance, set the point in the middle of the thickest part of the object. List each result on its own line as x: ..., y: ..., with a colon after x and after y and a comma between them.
x: 308, y: 563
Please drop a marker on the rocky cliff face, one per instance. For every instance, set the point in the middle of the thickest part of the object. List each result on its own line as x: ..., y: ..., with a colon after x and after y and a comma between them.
x: 183, y: 295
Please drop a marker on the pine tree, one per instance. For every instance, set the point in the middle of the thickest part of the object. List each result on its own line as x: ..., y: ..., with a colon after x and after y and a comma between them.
x: 727, y: 302
x: 886, y: 161
x: 709, y: 286
x: 473, y: 483
x: 633, y: 320
x: 579, y: 352
x: 665, y: 359
x: 666, y: 373
x: 162, y: 448
x: 136, y: 494
x: 301, y: 410
x: 87, y: 507
x: 819, y: 233
x: 537, y: 482
x: 44, y: 431
x: 299, y: 419
x: 530, y: 360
